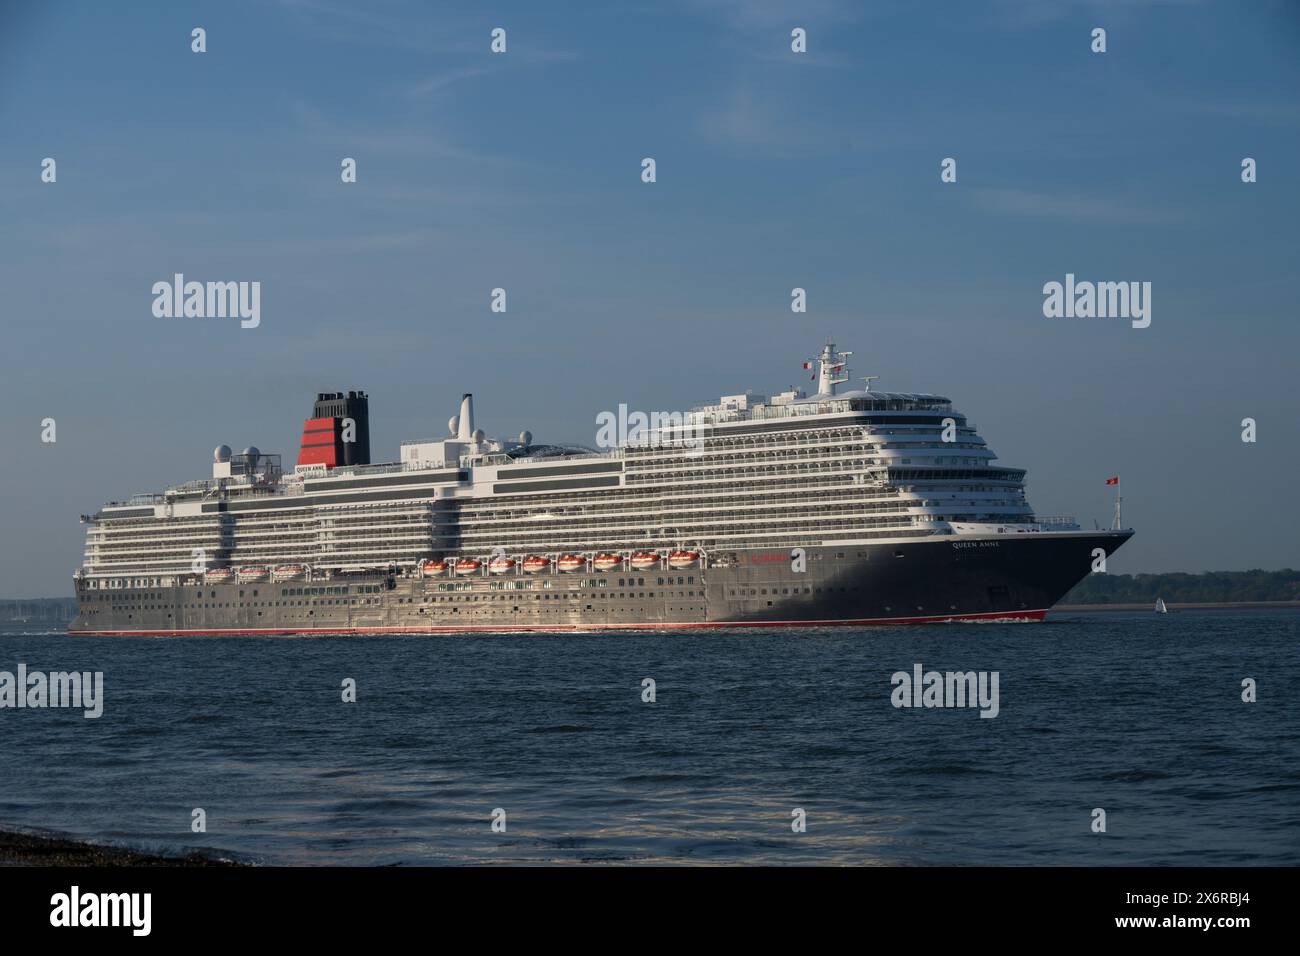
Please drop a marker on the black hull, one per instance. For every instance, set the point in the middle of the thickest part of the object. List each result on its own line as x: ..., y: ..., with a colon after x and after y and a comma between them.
x: 1004, y: 577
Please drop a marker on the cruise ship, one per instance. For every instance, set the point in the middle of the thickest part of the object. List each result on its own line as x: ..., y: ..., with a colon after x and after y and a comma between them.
x: 839, y: 507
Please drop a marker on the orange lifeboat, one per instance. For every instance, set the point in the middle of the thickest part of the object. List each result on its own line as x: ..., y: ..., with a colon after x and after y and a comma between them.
x: 644, y: 560
x: 468, y: 566
x: 681, y: 560
x: 252, y: 574
x: 607, y: 562
x: 501, y: 565
x: 432, y: 568
x: 220, y: 575
x: 288, y: 572
x: 570, y: 562
x: 535, y: 565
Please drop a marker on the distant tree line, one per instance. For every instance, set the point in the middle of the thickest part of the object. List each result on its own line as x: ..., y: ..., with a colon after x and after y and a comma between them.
x: 1209, y: 588
x: 37, y: 609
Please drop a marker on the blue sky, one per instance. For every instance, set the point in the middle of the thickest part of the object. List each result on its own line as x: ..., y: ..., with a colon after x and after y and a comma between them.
x: 775, y: 170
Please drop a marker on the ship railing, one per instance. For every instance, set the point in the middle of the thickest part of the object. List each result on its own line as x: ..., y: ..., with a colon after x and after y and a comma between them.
x: 1056, y: 521
x: 136, y: 500
x: 575, y: 456
x: 343, y: 470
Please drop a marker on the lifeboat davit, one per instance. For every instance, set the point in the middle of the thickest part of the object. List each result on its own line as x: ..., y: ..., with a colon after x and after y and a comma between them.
x: 468, y: 566
x: 431, y: 568
x: 682, y: 560
x: 644, y: 560
x: 288, y: 572
x: 218, y: 575
x: 535, y: 565
x: 252, y: 574
x: 501, y: 565
x: 607, y: 562
x: 570, y: 562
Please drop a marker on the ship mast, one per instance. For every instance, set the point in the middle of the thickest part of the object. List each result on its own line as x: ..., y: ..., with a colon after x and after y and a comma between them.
x: 833, y: 368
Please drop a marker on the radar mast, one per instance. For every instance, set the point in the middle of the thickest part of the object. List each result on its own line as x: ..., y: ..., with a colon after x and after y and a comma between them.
x: 833, y: 368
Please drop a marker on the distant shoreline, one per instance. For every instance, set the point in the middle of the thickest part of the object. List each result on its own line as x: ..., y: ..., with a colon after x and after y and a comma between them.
x: 1208, y: 606
x: 30, y: 849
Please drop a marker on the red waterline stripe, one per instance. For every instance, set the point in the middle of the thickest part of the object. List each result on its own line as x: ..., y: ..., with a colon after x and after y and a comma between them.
x: 1036, y: 615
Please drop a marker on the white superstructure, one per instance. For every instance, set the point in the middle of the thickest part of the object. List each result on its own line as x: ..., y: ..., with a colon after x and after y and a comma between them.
x: 750, y: 472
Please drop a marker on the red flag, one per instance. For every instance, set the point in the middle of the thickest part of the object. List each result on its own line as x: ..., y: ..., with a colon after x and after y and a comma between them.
x: 807, y: 364
x: 1113, y: 481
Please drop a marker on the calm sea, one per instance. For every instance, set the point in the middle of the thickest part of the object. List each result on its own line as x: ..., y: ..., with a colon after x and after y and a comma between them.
x: 1138, y: 714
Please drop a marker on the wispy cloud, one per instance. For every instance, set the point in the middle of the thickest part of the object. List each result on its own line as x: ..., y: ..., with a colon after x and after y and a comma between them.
x: 375, y: 24
x: 1035, y: 13
x: 1248, y: 108
x: 758, y: 120
x: 775, y: 121
x: 1083, y: 209
x: 403, y: 26
x: 754, y: 16
x: 394, y: 139
x: 436, y: 84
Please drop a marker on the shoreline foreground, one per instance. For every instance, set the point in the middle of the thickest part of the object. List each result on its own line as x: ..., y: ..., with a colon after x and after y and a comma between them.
x: 32, y: 849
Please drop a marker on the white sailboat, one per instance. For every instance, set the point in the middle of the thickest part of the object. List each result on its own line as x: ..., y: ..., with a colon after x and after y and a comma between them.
x: 1160, y: 606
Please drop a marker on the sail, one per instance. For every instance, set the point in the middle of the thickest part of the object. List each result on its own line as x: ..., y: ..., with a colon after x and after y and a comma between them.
x: 1160, y: 606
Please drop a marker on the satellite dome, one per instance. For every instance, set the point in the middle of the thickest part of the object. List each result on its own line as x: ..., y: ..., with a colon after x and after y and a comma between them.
x: 221, y: 453
x: 525, y: 437
x: 453, y: 424
x: 480, y: 435
x: 252, y: 452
